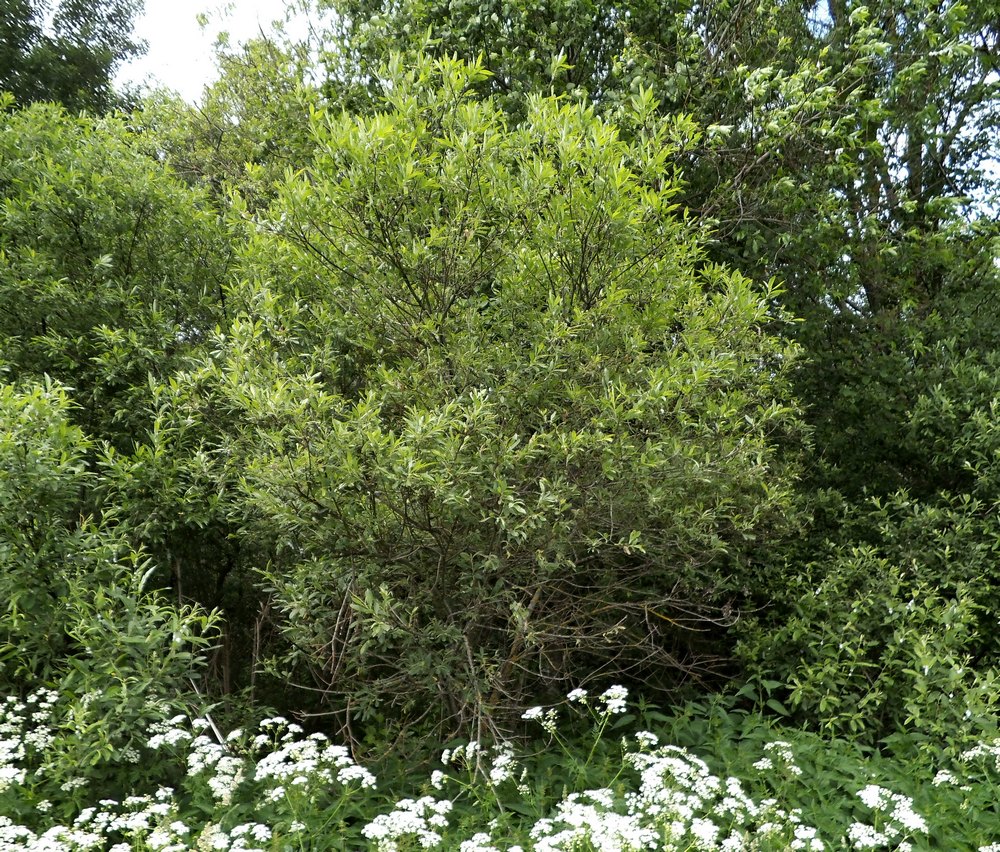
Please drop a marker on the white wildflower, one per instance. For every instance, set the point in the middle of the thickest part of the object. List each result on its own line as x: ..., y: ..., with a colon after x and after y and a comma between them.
x: 614, y: 698
x: 944, y: 777
x: 478, y: 843
x: 503, y: 765
x: 705, y: 831
x: 647, y: 739
x: 866, y: 837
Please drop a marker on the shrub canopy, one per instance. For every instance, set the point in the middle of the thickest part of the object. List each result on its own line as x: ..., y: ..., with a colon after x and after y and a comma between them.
x: 499, y: 422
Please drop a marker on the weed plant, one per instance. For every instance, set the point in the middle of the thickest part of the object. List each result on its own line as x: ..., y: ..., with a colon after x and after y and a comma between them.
x: 599, y: 775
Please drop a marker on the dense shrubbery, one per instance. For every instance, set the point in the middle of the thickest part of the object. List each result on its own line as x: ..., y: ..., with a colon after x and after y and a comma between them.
x: 396, y: 390
x: 111, y: 266
x: 76, y: 614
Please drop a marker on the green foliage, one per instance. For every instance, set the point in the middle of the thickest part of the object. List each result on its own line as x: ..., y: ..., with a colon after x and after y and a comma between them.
x: 250, y: 126
x: 558, y: 46
x: 40, y: 469
x: 895, y: 639
x: 446, y: 356
x: 175, y: 494
x: 876, y: 652
x: 493, y: 415
x: 70, y: 58
x: 110, y: 268
x: 75, y: 615
x: 846, y: 150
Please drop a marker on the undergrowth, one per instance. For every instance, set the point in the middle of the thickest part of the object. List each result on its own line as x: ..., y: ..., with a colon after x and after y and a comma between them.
x: 599, y: 774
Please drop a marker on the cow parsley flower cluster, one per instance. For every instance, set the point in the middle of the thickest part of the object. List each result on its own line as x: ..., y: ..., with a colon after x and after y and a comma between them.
x: 24, y: 729
x: 314, y: 760
x: 467, y: 755
x: 504, y: 765
x: 588, y: 820
x: 778, y: 754
x: 897, y: 814
x: 678, y: 792
x: 172, y: 732
x: 614, y: 699
x: 989, y: 753
x: 646, y: 739
x: 545, y: 718
x: 422, y: 819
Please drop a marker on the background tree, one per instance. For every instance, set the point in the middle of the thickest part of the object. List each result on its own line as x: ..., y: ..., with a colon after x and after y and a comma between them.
x: 112, y: 272
x: 68, y: 53
x: 111, y: 268
x: 251, y: 125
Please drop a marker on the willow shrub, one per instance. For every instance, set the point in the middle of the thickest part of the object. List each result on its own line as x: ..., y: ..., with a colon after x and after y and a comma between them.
x: 498, y: 422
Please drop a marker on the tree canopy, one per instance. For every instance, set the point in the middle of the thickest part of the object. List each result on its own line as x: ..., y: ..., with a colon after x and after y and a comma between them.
x: 66, y: 53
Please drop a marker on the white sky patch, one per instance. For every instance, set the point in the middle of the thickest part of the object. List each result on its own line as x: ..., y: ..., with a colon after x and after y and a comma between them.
x: 180, y: 54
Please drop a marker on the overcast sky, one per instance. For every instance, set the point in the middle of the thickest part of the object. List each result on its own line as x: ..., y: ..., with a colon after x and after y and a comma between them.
x: 180, y: 51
